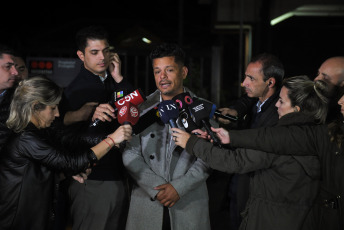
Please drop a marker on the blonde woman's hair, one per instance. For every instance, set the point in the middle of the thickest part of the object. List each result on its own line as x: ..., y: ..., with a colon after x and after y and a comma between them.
x: 310, y: 96
x: 31, y: 95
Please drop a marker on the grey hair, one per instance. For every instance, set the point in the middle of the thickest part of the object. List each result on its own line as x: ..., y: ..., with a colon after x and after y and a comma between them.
x: 31, y: 95
x: 310, y: 96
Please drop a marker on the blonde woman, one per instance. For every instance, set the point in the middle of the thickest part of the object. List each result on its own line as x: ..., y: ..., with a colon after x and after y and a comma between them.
x: 32, y: 158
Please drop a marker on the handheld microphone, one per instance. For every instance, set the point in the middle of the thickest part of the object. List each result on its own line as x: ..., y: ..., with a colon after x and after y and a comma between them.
x: 147, y: 119
x: 203, y: 111
x: 169, y: 112
x: 183, y: 101
x: 118, y: 95
x: 128, y: 114
x: 217, y: 113
x: 136, y: 97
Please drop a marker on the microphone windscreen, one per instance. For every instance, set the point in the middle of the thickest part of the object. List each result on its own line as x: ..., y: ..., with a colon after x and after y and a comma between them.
x: 128, y: 114
x: 147, y: 119
x: 136, y: 97
x: 183, y: 100
x: 202, y: 110
x: 186, y: 120
x: 168, y: 110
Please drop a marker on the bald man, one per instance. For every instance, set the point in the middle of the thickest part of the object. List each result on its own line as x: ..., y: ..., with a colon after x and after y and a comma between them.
x: 332, y: 72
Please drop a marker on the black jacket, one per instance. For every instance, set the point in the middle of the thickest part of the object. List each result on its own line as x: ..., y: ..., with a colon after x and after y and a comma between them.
x: 4, y: 114
x: 87, y: 87
x: 247, y: 112
x: 30, y: 162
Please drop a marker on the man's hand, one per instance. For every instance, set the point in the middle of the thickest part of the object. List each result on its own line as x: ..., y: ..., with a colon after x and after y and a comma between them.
x: 81, y: 177
x: 227, y: 111
x: 82, y: 114
x: 167, y: 195
x: 104, y: 112
x: 115, y: 67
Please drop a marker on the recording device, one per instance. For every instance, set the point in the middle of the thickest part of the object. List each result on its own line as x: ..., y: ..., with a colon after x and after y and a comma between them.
x: 183, y: 101
x: 136, y: 97
x: 203, y: 111
x: 128, y: 114
x: 169, y: 112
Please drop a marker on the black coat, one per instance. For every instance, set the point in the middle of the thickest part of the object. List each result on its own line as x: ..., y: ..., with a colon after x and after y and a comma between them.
x: 327, y: 212
x: 4, y: 114
x: 30, y: 162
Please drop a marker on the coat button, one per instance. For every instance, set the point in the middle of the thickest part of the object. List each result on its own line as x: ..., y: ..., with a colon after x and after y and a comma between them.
x: 151, y: 157
x: 152, y: 135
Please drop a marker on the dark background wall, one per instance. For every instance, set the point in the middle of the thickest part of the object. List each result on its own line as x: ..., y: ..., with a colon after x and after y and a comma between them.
x: 219, y: 36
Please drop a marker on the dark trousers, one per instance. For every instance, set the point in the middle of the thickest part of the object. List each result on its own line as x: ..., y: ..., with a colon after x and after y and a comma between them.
x: 166, y: 223
x: 99, y: 205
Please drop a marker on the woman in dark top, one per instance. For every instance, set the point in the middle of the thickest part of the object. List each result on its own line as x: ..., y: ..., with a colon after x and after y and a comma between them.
x: 33, y: 156
x: 324, y: 141
x: 282, y: 188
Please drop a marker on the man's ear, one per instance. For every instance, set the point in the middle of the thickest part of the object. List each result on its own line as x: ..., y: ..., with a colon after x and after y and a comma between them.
x: 80, y: 55
x: 185, y: 72
x: 271, y: 82
x: 297, y: 108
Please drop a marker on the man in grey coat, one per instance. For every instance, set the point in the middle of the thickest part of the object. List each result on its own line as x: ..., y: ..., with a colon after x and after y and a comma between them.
x: 169, y: 185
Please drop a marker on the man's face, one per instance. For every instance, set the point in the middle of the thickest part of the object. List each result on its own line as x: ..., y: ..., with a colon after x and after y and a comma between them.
x: 331, y: 71
x: 254, y: 83
x: 169, y: 77
x: 96, y: 57
x: 8, y: 72
x: 23, y: 72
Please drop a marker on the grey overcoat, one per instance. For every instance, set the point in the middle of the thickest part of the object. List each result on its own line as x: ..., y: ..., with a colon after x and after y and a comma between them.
x: 152, y: 158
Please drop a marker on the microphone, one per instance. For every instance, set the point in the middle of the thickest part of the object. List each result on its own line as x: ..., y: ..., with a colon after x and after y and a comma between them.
x: 203, y: 111
x: 118, y: 95
x: 183, y: 101
x: 169, y: 112
x: 147, y: 119
x: 128, y: 114
x: 136, y: 97
x: 114, y: 97
x: 217, y: 113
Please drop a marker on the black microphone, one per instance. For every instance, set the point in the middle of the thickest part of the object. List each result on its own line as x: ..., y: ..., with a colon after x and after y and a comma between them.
x: 202, y: 111
x: 169, y: 112
x: 217, y: 113
x: 147, y: 119
x: 183, y: 100
x: 114, y: 97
